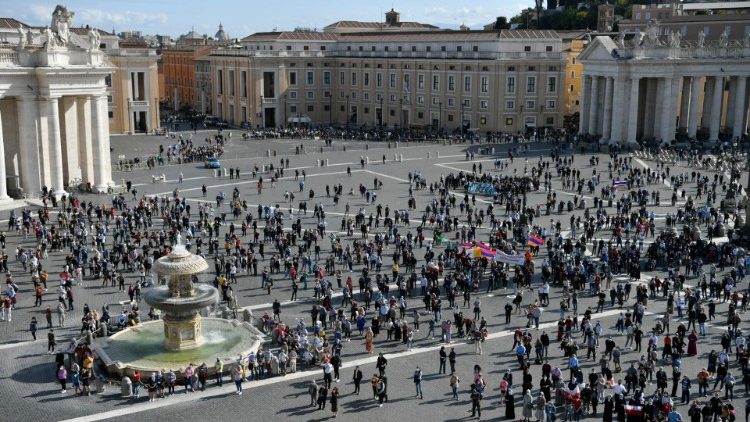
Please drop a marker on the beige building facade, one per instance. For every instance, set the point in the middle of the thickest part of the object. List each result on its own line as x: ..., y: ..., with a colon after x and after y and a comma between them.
x: 133, y: 89
x: 506, y: 81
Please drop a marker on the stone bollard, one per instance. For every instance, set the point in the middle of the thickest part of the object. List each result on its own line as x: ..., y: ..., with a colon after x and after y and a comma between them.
x: 493, y: 150
x: 367, y: 160
x: 126, y: 387
x: 317, y: 162
x: 367, y: 147
x: 226, y: 172
x: 321, y: 150
x: 437, y: 154
x: 396, y: 144
x: 344, y: 148
x: 389, y: 145
x: 268, y: 153
x: 400, y: 158
x: 247, y: 316
x: 326, y: 165
x: 216, y: 172
x: 395, y: 157
x: 274, y: 153
x: 429, y: 155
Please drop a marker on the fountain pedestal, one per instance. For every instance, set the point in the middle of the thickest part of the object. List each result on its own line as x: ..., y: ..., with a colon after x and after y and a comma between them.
x: 182, y: 334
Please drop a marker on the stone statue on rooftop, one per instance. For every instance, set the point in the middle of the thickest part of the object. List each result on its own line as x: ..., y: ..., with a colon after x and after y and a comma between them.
x: 94, y: 39
x: 724, y: 39
x: 675, y: 38
x: 621, y: 38
x: 21, y: 38
x: 62, y: 20
x: 701, y: 39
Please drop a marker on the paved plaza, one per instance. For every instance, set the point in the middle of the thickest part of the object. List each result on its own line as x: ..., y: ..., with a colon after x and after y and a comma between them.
x: 30, y: 390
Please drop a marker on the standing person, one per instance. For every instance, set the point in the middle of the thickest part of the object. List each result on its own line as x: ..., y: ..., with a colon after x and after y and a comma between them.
x: 151, y: 387
x: 510, y: 406
x: 50, y: 342
x: 312, y: 389
x: 335, y: 401
x: 203, y: 375
x: 327, y: 374
x: 528, y: 406
x: 322, y: 397
x: 382, y: 391
x: 237, y: 378
x: 219, y: 368
x: 476, y: 409
x: 62, y: 377
x: 374, y: 384
x: 443, y: 358
x: 418, y: 383
x: 454, y: 383
x: 33, y: 327
x: 381, y: 364
x: 452, y: 360
x: 357, y: 378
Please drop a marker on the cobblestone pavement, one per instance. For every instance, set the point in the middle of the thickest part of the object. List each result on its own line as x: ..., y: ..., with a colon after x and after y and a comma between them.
x: 28, y: 386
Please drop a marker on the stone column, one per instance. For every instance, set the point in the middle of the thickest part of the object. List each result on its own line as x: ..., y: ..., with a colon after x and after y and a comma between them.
x: 685, y: 102
x: 633, y: 112
x: 85, y: 135
x: 69, y: 120
x: 669, y: 119
x: 3, y: 181
x: 100, y: 142
x: 28, y: 146
x: 738, y: 127
x: 594, y: 109
x: 55, y: 149
x: 649, y: 114
x: 718, y: 94
x: 585, y: 106
x: 695, y: 91
x: 661, y: 107
x: 607, y: 122
x: 618, y: 110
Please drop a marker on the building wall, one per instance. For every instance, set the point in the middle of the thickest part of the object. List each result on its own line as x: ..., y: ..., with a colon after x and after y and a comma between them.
x: 573, y: 77
x: 121, y: 93
x: 489, y: 104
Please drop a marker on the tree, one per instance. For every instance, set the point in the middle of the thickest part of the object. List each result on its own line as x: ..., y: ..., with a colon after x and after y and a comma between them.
x: 501, y: 23
x: 524, y: 19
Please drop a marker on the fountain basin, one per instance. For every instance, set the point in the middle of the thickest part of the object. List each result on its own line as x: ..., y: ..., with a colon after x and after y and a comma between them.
x: 203, y: 297
x: 142, y: 347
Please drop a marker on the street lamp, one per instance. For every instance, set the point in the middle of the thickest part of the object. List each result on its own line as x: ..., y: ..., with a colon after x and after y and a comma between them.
x: 347, y: 111
x: 263, y: 121
x: 401, y: 113
x: 440, y: 114
x: 381, y: 111
x: 462, y: 120
x: 285, y: 122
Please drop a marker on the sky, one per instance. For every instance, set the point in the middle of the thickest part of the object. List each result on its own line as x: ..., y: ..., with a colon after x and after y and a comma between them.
x: 243, y: 17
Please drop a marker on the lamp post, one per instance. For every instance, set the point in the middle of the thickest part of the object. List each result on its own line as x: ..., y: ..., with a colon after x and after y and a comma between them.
x: 381, y: 111
x: 462, y: 120
x: 330, y: 109
x: 285, y: 122
x: 440, y: 114
x: 401, y: 113
x: 347, y: 111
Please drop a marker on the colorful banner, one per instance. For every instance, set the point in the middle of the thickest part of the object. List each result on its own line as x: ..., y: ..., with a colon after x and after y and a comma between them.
x: 509, y: 259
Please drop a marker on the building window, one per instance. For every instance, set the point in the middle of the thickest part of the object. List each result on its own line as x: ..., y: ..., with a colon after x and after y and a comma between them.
x: 392, y: 98
x: 450, y: 117
x: 548, y: 48
x: 354, y: 95
x: 435, y: 82
x: 429, y: 48
x: 420, y: 81
x: 451, y: 83
x: 310, y: 77
x: 420, y: 115
x: 367, y: 110
x: 551, y: 104
x: 110, y: 114
x: 442, y: 48
x: 526, y: 48
x: 510, y: 105
x: 366, y: 81
x: 348, y: 48
x: 306, y: 48
x: 530, y: 105
x: 342, y: 108
x: 552, y: 84
x: 392, y: 112
x: 531, y: 84
x: 550, y: 121
x: 342, y: 78
x: 366, y: 96
x: 386, y: 48
x: 508, y: 121
x: 511, y: 68
x: 475, y: 48
x: 420, y: 100
x: 459, y: 48
x: 451, y: 102
x: 467, y: 83
x: 392, y: 80
x: 482, y: 120
x: 484, y: 104
x: 361, y: 48
x: 532, y: 68
x: 310, y: 108
x: 310, y: 95
x: 292, y: 78
x: 326, y: 78
x: 552, y: 69
x: 485, y: 85
x: 435, y: 100
x: 400, y: 48
x: 292, y: 95
x: 326, y: 107
x: 354, y: 78
x: 293, y: 109
x: 510, y: 85
x: 466, y: 103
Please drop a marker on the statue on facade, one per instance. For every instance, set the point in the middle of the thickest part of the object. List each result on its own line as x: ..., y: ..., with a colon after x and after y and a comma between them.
x: 724, y: 39
x: 62, y: 20
x: 675, y: 38
x: 51, y: 42
x: 21, y: 38
x: 652, y: 34
x: 701, y: 39
x: 94, y: 39
x: 621, y: 38
x: 639, y: 39
x: 588, y: 37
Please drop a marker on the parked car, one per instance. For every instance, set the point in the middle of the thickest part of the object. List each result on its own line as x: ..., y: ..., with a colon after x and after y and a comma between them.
x: 212, y: 163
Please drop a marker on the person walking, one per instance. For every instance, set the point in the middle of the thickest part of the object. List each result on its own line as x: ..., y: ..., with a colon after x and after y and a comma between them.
x: 357, y: 378
x: 219, y: 368
x: 62, y: 377
x: 237, y: 378
x: 418, y: 383
x: 33, y: 327
x: 443, y: 358
x: 322, y: 397
x: 452, y: 360
x: 327, y: 374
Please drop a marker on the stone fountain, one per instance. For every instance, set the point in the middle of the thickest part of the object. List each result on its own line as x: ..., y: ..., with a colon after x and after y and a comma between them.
x: 183, y: 336
x: 181, y: 300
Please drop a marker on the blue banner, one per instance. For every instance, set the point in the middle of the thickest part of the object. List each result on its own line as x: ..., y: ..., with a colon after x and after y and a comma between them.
x: 487, y: 189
